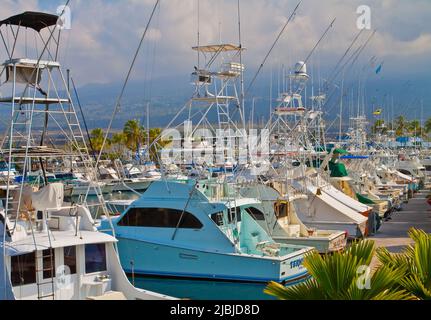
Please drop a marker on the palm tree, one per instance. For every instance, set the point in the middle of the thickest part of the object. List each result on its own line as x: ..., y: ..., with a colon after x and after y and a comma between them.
x: 400, y: 125
x: 339, y: 277
x: 379, y: 126
x: 414, y: 263
x: 134, y: 134
x: 97, y: 137
x: 118, y: 142
x: 414, y: 128
x: 428, y: 126
x: 156, y: 144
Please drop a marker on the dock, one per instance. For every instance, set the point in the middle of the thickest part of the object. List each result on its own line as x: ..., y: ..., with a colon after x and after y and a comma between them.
x: 394, y: 233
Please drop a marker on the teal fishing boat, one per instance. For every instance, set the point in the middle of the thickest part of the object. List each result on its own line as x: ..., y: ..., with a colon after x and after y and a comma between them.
x: 175, y: 230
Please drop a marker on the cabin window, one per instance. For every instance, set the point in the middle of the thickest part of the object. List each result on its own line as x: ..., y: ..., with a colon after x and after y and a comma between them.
x: 159, y: 218
x: 95, y: 258
x: 234, y: 213
x: 23, y: 269
x: 48, y: 259
x: 406, y: 172
x: 217, y: 218
x: 70, y: 259
x: 282, y: 210
x: 256, y: 214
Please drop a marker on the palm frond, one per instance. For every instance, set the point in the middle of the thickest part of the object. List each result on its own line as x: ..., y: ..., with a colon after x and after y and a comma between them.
x: 382, y: 285
x: 363, y: 250
x: 414, y: 285
x: 308, y: 290
x: 422, y: 255
x: 394, y: 260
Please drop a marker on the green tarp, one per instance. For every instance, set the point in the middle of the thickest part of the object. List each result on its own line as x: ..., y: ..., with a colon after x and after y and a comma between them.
x: 364, y: 200
x: 338, y: 170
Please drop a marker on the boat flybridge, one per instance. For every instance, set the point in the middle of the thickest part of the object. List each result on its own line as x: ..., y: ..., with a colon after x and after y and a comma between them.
x: 50, y: 249
x: 189, y: 234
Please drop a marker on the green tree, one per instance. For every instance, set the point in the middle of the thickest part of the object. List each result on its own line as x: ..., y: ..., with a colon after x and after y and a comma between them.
x: 400, y: 125
x: 118, y: 145
x: 97, y: 137
x: 427, y: 126
x: 379, y: 127
x: 414, y: 128
x: 338, y: 277
x: 414, y: 263
x: 134, y: 134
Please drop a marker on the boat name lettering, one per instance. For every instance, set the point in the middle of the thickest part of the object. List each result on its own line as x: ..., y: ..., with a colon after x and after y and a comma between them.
x: 296, y: 263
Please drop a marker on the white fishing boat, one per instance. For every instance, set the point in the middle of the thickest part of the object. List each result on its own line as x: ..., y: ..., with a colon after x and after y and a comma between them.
x: 278, y: 217
x: 50, y: 249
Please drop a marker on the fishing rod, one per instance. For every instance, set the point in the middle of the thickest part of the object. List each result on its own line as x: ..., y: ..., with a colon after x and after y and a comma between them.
x: 292, y: 16
x: 353, y: 58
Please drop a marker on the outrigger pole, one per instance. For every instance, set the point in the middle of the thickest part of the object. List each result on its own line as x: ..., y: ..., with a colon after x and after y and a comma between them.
x: 292, y: 16
x: 126, y: 81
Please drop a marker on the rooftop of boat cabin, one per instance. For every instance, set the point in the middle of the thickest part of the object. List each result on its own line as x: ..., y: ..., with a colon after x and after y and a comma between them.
x: 57, y: 239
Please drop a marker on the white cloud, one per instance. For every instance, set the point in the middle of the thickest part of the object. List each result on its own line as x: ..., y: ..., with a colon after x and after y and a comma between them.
x: 105, y: 34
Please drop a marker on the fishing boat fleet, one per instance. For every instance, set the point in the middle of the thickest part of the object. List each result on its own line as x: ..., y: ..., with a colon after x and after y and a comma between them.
x: 229, y: 212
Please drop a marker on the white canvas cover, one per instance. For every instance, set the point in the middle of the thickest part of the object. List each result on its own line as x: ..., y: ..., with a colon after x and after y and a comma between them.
x: 403, y: 176
x: 50, y: 197
x: 345, y: 199
x: 24, y: 74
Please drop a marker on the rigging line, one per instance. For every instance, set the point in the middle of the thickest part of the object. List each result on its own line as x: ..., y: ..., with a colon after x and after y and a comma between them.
x: 199, y: 35
x: 318, y: 42
x: 155, y: 49
x: 5, y: 45
x: 118, y: 103
x: 242, y: 100
x: 83, y: 117
x: 334, y: 74
x: 355, y: 57
x: 272, y: 48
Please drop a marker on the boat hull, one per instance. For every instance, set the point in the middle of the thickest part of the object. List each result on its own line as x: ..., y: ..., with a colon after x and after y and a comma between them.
x: 152, y: 259
x: 138, y: 186
x: 354, y: 230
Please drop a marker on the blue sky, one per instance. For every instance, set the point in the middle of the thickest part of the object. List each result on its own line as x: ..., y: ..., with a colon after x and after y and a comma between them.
x: 105, y: 34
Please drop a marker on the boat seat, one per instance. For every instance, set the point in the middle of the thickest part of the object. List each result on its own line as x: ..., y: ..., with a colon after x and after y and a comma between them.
x: 109, y: 296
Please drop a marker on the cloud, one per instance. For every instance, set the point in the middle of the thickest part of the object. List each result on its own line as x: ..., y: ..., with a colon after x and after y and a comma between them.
x: 105, y: 33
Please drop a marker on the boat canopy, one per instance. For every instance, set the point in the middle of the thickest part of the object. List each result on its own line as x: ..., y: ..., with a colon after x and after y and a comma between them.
x: 34, y: 20
x: 352, y: 157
